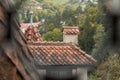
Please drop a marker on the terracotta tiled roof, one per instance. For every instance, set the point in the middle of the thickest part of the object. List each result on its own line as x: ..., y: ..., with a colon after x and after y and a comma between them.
x: 71, y: 30
x: 32, y: 34
x: 26, y: 25
x: 59, y: 53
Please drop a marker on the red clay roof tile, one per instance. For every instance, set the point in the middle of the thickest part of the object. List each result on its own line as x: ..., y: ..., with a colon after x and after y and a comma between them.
x: 32, y: 34
x: 26, y: 25
x: 71, y: 30
x: 58, y: 53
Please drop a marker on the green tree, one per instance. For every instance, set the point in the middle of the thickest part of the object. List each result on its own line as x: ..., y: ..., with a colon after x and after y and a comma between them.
x: 109, y: 69
x: 51, y: 27
x: 68, y: 15
x: 86, y: 40
x: 106, y: 54
x: 26, y: 6
x: 73, y: 1
x: 94, y: 18
x: 102, y: 36
x: 98, y: 37
x: 55, y: 35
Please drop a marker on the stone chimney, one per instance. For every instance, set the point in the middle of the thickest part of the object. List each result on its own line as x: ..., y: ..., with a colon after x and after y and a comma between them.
x: 70, y: 34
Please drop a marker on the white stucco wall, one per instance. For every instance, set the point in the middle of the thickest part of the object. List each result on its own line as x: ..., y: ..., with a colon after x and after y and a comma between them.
x: 42, y: 73
x: 70, y: 38
x: 74, y: 72
x: 82, y: 73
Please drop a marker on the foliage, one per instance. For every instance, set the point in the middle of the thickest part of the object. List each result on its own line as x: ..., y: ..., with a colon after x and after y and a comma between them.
x: 68, y: 15
x: 106, y: 54
x: 55, y: 35
x: 98, y: 38
x: 50, y: 27
x: 26, y: 7
x: 102, y: 36
x: 93, y: 77
x: 109, y: 69
x: 86, y: 40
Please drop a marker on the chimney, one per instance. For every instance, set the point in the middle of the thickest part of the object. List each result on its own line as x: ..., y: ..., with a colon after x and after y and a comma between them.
x: 70, y: 34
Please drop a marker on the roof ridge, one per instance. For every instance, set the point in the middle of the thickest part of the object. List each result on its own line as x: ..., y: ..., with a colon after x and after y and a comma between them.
x: 48, y: 43
x: 83, y: 52
x: 87, y: 55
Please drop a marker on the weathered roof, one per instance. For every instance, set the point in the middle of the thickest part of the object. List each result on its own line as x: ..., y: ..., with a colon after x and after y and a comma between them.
x: 26, y: 25
x: 59, y: 53
x: 32, y: 34
x: 71, y: 30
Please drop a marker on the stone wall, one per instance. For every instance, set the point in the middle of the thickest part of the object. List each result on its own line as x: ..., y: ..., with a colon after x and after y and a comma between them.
x: 82, y: 73
x: 70, y: 38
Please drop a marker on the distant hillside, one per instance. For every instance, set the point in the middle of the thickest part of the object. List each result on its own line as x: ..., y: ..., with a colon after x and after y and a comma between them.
x: 65, y: 1
x: 59, y: 1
